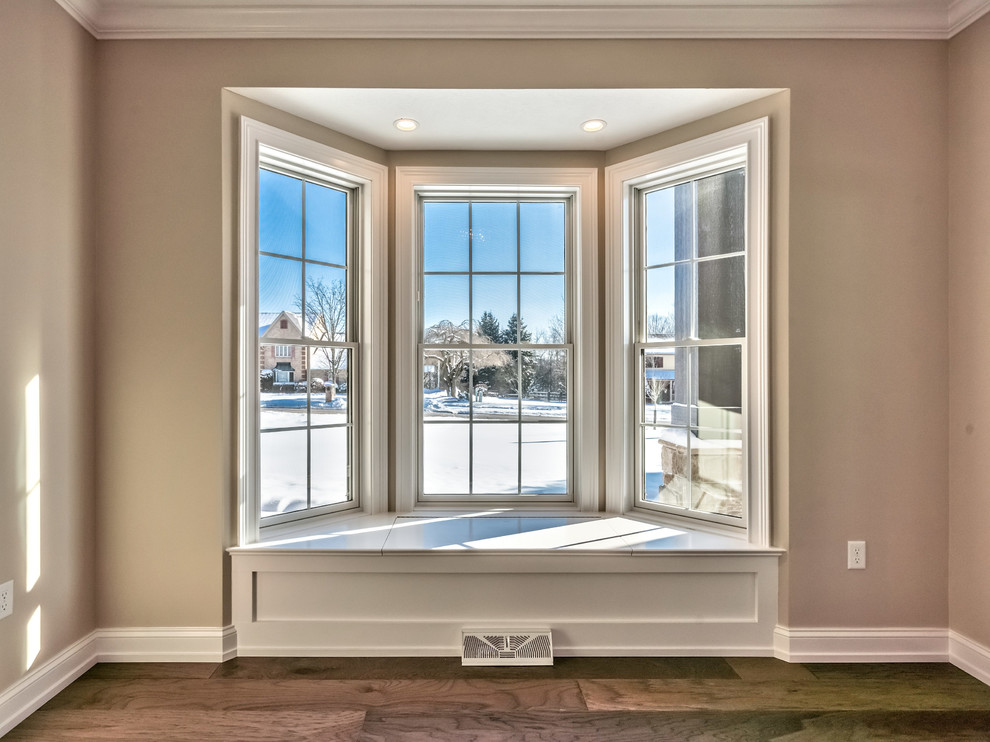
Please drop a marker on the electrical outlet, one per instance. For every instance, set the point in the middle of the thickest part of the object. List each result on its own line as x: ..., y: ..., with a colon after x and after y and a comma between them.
x: 6, y: 599
x: 857, y: 555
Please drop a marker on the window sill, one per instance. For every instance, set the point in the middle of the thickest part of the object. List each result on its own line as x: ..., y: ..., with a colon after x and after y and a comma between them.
x: 499, y: 533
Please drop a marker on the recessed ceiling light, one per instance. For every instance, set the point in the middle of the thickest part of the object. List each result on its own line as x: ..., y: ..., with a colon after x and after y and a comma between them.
x: 593, y: 125
x: 405, y: 124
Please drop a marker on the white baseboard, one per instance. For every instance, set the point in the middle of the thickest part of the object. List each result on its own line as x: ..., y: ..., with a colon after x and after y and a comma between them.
x: 861, y: 645
x: 969, y: 656
x: 32, y: 691
x: 166, y: 644
x: 111, y: 645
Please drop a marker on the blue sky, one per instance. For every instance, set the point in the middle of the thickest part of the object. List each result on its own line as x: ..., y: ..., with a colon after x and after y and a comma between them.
x: 513, y: 247
x: 281, y: 229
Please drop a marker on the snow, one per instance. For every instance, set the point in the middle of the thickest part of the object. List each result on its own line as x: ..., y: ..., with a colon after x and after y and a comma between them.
x: 436, y: 402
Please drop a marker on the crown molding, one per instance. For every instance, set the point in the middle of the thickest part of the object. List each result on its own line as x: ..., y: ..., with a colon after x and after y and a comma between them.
x: 964, y: 12
x: 677, y: 19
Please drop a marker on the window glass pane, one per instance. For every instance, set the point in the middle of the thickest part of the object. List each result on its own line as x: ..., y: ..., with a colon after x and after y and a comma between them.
x: 722, y: 213
x: 716, y: 479
x: 445, y: 383
x: 279, y: 290
x: 544, y: 459
x: 280, y: 213
x: 326, y: 224
x: 446, y: 459
x: 661, y: 303
x: 331, y: 460
x: 280, y: 405
x: 494, y: 302
x: 493, y: 237
x: 660, y: 223
x: 446, y: 228
x: 493, y: 395
x: 546, y: 392
x: 328, y: 385
x: 541, y: 237
x: 445, y: 309
x: 716, y: 399
x: 663, y: 379
x: 667, y: 466
x: 283, y: 472
x: 496, y: 459
x: 722, y: 298
x: 326, y: 303
x: 516, y: 331
x: 543, y: 307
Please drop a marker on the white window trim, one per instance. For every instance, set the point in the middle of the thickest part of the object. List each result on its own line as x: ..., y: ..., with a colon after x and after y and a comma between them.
x: 371, y: 264
x: 582, y: 184
x: 622, y: 181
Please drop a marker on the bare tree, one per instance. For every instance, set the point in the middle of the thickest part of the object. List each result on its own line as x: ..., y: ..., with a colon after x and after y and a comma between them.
x: 657, y: 389
x: 326, y: 319
x: 453, y: 363
x: 660, y: 326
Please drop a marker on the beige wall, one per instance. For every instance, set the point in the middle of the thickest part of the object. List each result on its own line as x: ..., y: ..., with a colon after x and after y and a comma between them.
x: 46, y: 289
x: 860, y: 450
x: 969, y: 332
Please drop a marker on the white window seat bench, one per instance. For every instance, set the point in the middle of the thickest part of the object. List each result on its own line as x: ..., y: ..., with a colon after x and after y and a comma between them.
x: 405, y: 585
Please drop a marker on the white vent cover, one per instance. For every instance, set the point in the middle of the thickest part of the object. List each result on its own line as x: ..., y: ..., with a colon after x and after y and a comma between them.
x: 501, y: 647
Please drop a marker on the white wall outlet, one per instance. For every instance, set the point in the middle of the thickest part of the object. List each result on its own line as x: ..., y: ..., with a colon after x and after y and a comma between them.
x: 857, y: 555
x: 6, y: 598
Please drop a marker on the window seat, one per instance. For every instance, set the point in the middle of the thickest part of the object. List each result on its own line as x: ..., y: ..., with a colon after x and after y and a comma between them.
x: 498, y: 532
x: 406, y: 585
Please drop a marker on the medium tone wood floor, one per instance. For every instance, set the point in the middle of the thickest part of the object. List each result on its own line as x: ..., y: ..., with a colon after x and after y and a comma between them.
x: 617, y: 700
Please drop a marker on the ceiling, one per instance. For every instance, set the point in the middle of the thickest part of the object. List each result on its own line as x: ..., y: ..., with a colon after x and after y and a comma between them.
x: 888, y: 19
x: 501, y: 119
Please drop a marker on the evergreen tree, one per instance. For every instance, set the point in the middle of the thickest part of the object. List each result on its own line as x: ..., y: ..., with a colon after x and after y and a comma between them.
x: 488, y: 327
x: 491, y: 375
x: 509, y: 335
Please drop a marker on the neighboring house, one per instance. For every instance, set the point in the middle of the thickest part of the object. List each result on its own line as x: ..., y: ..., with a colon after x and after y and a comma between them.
x: 288, y: 362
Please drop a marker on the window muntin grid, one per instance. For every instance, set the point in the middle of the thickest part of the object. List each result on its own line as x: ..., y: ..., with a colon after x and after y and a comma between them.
x: 494, y: 349
x: 691, y: 325
x: 305, y: 300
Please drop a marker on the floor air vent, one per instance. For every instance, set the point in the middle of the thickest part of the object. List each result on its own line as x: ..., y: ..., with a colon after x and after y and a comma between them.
x: 499, y: 647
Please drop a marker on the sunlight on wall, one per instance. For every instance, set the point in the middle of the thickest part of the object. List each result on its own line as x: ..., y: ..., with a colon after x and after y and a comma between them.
x: 33, y: 637
x: 32, y: 468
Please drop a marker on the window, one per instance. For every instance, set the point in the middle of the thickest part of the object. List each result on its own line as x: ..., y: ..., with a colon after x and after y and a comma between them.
x: 496, y: 318
x: 688, y: 408
x: 311, y: 234
x: 495, y: 348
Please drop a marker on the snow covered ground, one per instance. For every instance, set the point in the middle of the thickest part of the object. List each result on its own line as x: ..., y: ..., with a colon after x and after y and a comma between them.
x: 504, y: 448
x: 436, y: 403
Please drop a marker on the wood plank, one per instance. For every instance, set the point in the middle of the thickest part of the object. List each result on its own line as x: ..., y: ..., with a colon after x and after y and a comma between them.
x: 450, y: 668
x: 151, y: 670
x: 917, y: 726
x: 861, y: 695
x: 572, y: 726
x: 184, y: 725
x: 277, y: 695
x: 768, y: 668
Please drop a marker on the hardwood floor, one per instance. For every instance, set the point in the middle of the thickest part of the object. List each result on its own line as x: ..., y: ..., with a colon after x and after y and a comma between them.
x: 618, y: 700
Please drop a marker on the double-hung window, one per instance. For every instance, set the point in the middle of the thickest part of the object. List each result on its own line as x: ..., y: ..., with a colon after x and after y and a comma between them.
x: 496, y: 337
x: 311, y: 217
x: 495, y: 348
x: 688, y: 247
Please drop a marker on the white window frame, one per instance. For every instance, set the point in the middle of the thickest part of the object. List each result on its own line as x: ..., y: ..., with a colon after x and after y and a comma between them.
x: 623, y: 183
x: 368, y: 181
x: 578, y: 184
x: 283, y: 351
